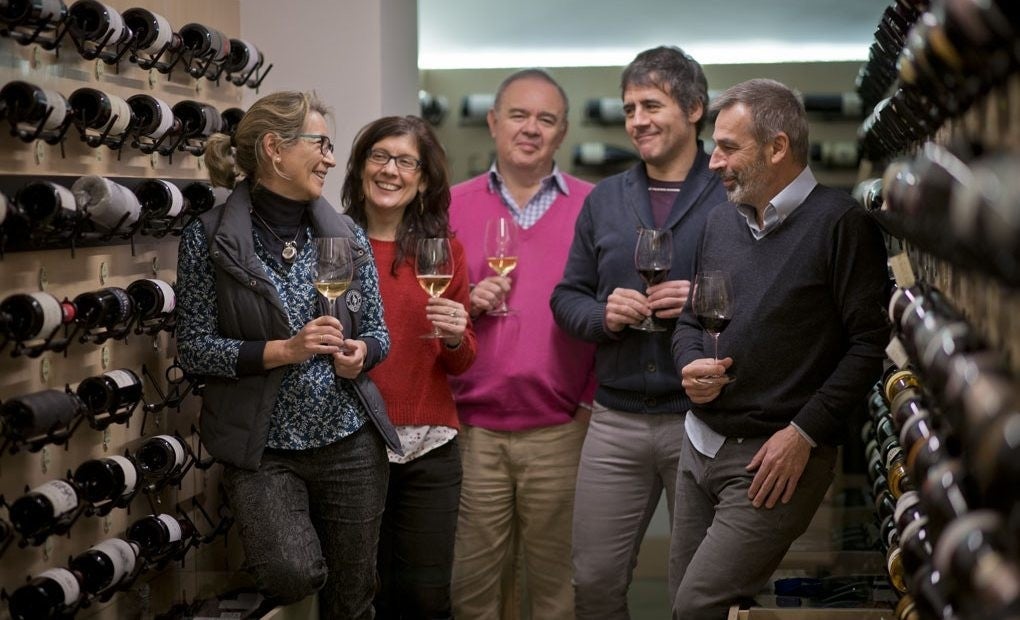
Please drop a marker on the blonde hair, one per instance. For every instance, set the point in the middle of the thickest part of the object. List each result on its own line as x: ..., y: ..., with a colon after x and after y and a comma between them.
x: 282, y: 114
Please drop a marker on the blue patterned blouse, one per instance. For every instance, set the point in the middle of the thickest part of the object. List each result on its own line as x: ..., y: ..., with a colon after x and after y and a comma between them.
x: 314, y: 407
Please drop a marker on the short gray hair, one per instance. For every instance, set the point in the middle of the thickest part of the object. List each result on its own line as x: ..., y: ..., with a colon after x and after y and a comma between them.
x: 774, y: 108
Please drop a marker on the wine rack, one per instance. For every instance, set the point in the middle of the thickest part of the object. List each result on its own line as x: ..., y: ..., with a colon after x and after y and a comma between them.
x: 58, y: 60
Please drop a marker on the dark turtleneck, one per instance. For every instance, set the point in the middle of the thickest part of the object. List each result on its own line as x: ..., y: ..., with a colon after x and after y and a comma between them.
x: 284, y: 216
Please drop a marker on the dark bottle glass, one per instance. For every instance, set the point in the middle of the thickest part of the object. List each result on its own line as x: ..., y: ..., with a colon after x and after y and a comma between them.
x: 50, y: 594
x: 154, y: 117
x: 106, y: 479
x: 200, y: 197
x: 198, y: 120
x: 42, y: 507
x: 105, y: 565
x: 92, y: 21
x: 161, y: 457
x: 153, y: 297
x: 159, y: 199
x: 995, y: 462
x: 162, y: 535
x: 204, y: 41
x: 108, y: 204
x: 31, y: 415
x: 106, y: 307
x: 602, y: 154
x: 868, y: 194
x: 930, y: 590
x: 916, y: 430
x: 243, y: 58
x: 908, y: 509
x: 231, y: 118
x: 908, y: 403
x: 47, y: 204
x: 900, y: 300
x: 917, y: 544
x: 32, y: 12
x: 151, y: 31
x: 110, y: 391
x: 906, y: 609
x: 974, y: 553
x: 96, y: 109
x: 32, y: 317
x: 932, y: 451
x: 847, y: 105
x: 26, y: 105
x: 946, y: 494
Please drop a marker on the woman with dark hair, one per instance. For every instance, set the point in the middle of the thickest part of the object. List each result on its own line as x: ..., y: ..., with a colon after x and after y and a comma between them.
x: 287, y: 395
x: 397, y: 189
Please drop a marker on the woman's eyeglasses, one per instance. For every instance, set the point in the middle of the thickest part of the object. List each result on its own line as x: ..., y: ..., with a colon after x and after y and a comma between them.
x: 404, y: 162
x: 325, y: 144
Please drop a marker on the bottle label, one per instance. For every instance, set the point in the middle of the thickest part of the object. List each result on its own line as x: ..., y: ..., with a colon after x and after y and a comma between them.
x: 163, y: 32
x: 67, y: 582
x: 118, y: 106
x: 122, y: 556
x: 166, y: 117
x: 52, y: 312
x: 173, y: 528
x: 50, y: 9
x: 61, y: 495
x: 175, y: 445
x: 169, y: 297
x: 59, y: 104
x: 107, y: 202
x: 65, y: 199
x: 122, y: 378
x: 130, y: 473
x: 176, y: 197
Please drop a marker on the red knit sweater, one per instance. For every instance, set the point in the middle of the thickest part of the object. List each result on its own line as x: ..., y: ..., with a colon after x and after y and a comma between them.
x: 412, y: 378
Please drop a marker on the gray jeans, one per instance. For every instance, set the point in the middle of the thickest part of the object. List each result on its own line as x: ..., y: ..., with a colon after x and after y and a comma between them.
x: 309, y: 521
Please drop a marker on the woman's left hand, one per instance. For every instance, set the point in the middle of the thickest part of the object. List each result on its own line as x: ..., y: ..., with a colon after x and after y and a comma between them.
x: 450, y: 317
x: 350, y: 359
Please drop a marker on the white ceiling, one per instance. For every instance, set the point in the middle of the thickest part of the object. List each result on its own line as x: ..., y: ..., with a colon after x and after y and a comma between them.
x: 557, y: 33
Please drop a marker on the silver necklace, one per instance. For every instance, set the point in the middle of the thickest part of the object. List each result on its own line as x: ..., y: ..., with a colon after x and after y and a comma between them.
x: 289, y: 247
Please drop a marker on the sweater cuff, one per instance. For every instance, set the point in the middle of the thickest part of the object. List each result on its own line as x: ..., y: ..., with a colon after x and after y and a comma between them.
x: 817, y: 425
x: 249, y: 358
x: 597, y: 325
x: 373, y: 353
x: 807, y: 438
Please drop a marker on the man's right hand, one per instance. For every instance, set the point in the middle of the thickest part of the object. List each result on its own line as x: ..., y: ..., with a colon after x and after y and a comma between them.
x: 701, y: 393
x: 488, y: 295
x: 625, y: 307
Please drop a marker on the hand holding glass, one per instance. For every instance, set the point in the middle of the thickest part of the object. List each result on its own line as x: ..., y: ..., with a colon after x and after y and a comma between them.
x: 433, y: 266
x: 712, y: 302
x: 501, y: 251
x: 653, y: 257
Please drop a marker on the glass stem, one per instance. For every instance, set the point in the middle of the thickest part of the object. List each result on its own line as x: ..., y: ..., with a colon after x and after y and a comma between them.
x: 715, y: 342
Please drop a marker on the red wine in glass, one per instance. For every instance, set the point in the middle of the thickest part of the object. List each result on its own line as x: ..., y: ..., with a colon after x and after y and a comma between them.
x: 653, y: 257
x: 712, y: 302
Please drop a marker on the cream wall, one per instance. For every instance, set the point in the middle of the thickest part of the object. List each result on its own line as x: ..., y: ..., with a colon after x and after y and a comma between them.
x: 470, y: 148
x: 360, y: 57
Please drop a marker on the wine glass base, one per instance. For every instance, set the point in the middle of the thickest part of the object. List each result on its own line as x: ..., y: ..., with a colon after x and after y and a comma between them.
x: 715, y: 379
x: 432, y: 336
x: 500, y: 312
x: 641, y: 327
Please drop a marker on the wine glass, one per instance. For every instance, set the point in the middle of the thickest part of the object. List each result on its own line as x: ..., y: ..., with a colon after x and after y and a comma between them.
x: 712, y: 302
x: 335, y: 268
x: 653, y: 257
x: 433, y: 266
x: 501, y: 251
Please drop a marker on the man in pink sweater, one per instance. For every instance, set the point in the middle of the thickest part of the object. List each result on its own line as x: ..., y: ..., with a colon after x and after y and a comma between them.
x: 524, y: 404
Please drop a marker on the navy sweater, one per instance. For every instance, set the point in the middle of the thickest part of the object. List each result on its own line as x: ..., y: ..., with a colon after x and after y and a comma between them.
x: 808, y: 326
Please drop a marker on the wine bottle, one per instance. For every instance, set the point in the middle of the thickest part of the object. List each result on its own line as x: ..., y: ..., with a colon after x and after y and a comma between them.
x: 93, y: 21
x: 108, y: 204
x: 159, y: 199
x: 47, y: 205
x: 161, y: 457
x: 105, y: 308
x: 995, y: 461
x: 895, y: 381
x: 32, y: 12
x: 917, y: 545
x: 474, y: 108
x: 198, y: 120
x: 894, y: 567
x: 243, y: 58
x: 105, y: 565
x: 906, y: 608
x: 31, y: 317
x: 106, y: 479
x: 110, y: 391
x: 26, y: 105
x: 153, y: 298
x: 907, y: 403
x: 98, y: 110
x: 834, y: 155
x: 32, y: 415
x: 896, y: 471
x: 41, y: 508
x: 868, y: 194
x: 154, y: 118
x: 151, y: 31
x: 51, y: 594
x: 159, y: 536
x: 203, y: 41
x: 199, y: 196
x: 602, y: 154
x: 847, y: 105
x: 914, y: 433
x: 605, y: 111
x: 946, y: 494
x: 908, y: 509
x: 432, y: 108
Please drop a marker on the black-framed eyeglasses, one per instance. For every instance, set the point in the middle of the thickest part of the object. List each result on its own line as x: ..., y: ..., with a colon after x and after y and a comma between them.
x: 404, y: 162
x: 325, y: 144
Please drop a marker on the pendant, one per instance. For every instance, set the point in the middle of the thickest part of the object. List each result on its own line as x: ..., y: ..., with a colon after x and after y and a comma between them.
x: 289, y: 251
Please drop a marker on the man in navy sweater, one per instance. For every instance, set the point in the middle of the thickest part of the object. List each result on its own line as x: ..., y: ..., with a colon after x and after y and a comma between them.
x: 807, y: 268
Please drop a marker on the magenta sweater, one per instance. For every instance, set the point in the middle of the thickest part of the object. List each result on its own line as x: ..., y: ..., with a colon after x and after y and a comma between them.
x: 528, y: 373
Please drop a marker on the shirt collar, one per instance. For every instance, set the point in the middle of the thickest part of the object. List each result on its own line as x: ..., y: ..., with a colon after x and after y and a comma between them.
x: 556, y: 177
x: 782, y: 205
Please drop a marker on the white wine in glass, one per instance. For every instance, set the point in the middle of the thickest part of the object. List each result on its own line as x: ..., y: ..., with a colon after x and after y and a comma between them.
x: 433, y: 266
x: 501, y: 251
x: 334, y: 268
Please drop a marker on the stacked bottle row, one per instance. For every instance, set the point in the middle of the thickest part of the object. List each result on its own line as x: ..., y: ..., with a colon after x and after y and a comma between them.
x: 952, y: 55
x: 99, y: 31
x: 953, y: 204
x: 142, y: 121
x: 45, y: 214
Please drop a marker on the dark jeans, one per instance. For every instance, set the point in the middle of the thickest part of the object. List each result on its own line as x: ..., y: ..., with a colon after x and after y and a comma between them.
x: 418, y: 528
x: 309, y: 520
